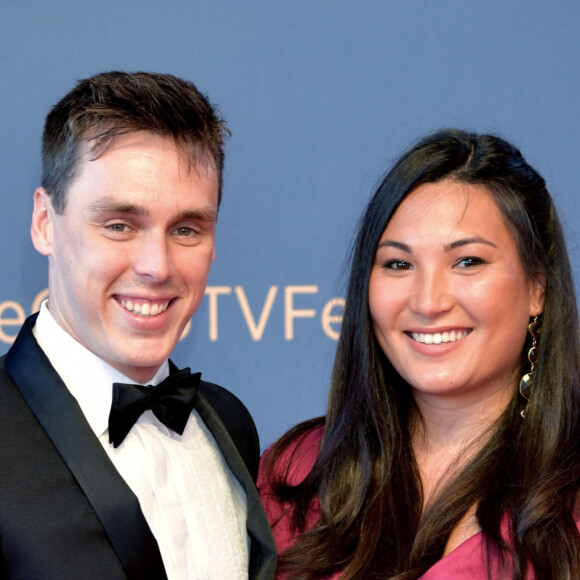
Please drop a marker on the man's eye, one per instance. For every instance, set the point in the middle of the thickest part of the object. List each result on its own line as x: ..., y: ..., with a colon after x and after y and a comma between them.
x: 397, y: 265
x: 117, y: 227
x: 184, y: 232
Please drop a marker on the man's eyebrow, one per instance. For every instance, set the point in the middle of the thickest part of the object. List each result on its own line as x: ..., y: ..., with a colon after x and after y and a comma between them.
x: 105, y: 206
x: 206, y: 215
x: 112, y: 207
x: 467, y: 241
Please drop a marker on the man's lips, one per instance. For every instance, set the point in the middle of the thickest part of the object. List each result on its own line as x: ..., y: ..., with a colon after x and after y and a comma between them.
x: 143, y: 306
x: 443, y: 337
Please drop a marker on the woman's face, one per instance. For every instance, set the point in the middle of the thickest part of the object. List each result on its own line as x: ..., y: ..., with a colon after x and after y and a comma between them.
x: 448, y: 296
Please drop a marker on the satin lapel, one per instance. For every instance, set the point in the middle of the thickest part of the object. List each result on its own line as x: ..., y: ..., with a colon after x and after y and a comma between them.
x: 263, y: 549
x: 59, y: 414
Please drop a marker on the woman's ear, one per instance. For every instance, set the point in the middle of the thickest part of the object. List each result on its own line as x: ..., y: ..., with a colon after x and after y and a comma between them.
x: 42, y: 222
x: 537, y: 294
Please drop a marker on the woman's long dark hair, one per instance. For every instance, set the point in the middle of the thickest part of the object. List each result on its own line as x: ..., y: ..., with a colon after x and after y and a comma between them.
x: 366, y: 477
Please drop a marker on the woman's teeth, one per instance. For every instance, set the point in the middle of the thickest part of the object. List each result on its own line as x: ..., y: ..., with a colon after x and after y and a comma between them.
x: 439, y: 337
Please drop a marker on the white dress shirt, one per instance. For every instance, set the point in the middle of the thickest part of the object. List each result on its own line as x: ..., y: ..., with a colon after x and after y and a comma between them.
x: 193, y: 504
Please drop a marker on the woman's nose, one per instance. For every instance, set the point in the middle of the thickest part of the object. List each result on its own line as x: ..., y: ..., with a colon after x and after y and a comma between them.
x: 432, y: 294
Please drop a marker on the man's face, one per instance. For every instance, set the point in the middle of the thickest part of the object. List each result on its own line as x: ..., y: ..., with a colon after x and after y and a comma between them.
x: 130, y: 255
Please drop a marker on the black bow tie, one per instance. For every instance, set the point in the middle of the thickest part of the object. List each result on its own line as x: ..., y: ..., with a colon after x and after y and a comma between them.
x: 171, y: 401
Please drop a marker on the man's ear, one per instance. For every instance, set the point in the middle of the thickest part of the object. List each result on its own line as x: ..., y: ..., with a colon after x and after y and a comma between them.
x: 42, y: 222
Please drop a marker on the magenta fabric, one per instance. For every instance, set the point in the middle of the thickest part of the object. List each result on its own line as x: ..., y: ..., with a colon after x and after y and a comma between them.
x: 467, y: 562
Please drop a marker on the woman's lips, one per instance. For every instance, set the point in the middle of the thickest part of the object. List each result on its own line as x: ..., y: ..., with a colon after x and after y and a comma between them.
x: 444, y: 337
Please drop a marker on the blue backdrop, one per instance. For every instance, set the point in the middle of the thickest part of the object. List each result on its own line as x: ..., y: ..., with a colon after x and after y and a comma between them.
x: 321, y: 96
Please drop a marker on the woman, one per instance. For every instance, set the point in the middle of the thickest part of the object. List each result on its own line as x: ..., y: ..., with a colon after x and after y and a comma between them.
x: 432, y: 461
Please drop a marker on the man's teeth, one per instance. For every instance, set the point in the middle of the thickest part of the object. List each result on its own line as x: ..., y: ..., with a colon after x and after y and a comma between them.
x: 439, y: 337
x: 145, y: 309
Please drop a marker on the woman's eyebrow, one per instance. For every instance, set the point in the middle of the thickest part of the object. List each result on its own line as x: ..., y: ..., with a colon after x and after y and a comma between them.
x: 393, y: 244
x: 467, y: 241
x: 448, y: 247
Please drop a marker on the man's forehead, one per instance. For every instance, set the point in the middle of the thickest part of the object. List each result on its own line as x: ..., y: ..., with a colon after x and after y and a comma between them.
x: 192, y: 156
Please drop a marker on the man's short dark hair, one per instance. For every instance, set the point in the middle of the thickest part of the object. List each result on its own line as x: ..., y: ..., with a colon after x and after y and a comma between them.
x: 110, y: 104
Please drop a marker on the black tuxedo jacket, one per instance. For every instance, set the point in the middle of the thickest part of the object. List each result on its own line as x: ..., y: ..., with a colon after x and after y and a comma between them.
x: 65, y: 512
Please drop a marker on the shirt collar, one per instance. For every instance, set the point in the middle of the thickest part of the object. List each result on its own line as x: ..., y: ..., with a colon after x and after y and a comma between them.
x: 88, y: 378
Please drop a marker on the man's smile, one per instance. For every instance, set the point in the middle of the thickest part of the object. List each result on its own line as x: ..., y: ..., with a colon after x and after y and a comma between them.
x: 143, y: 307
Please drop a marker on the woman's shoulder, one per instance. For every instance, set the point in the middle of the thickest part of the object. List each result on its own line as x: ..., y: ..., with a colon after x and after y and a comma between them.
x: 293, y: 457
x: 288, y: 462
x: 302, y: 455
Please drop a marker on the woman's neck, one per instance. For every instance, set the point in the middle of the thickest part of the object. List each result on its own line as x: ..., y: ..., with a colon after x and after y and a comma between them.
x: 449, y: 422
x: 451, y: 431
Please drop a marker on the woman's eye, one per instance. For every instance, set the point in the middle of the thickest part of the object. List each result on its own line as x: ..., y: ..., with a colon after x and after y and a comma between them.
x: 469, y: 262
x: 397, y: 265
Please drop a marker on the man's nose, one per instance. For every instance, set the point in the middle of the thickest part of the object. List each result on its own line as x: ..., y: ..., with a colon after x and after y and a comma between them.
x: 152, y: 258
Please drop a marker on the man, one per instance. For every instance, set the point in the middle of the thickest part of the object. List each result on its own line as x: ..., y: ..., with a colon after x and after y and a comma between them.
x: 94, y: 484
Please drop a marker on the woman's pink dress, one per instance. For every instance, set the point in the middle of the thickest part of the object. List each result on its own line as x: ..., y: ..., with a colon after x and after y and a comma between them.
x: 466, y: 562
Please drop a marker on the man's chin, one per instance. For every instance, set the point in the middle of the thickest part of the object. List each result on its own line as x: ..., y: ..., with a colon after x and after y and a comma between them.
x: 141, y: 368
x: 140, y: 374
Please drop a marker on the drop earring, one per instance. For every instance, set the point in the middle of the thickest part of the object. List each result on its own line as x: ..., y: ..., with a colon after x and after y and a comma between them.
x: 527, y: 381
